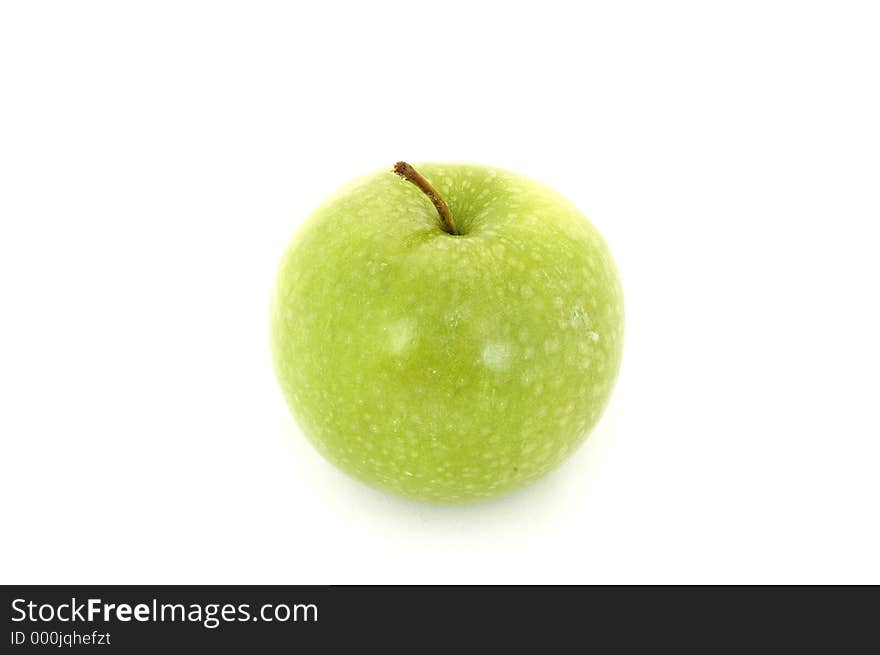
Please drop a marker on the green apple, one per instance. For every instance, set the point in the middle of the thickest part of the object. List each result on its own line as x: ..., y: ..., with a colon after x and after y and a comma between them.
x: 448, y: 335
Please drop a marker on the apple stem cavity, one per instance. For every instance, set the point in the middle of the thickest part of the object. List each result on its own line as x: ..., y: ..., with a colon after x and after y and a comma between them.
x: 410, y: 174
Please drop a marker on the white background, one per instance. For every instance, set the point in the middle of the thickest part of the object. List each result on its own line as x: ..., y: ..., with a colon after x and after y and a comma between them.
x: 156, y: 157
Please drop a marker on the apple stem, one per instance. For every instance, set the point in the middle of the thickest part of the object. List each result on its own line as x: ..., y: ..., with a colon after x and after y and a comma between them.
x: 410, y: 174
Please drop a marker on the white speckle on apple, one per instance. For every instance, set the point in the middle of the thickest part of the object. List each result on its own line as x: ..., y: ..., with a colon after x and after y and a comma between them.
x: 402, y: 335
x: 496, y: 355
x: 551, y: 345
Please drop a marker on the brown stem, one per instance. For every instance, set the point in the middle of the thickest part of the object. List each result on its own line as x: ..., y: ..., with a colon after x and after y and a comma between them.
x: 410, y: 174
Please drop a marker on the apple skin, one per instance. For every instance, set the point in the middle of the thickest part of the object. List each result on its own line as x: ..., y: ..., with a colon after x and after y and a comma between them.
x: 447, y: 368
